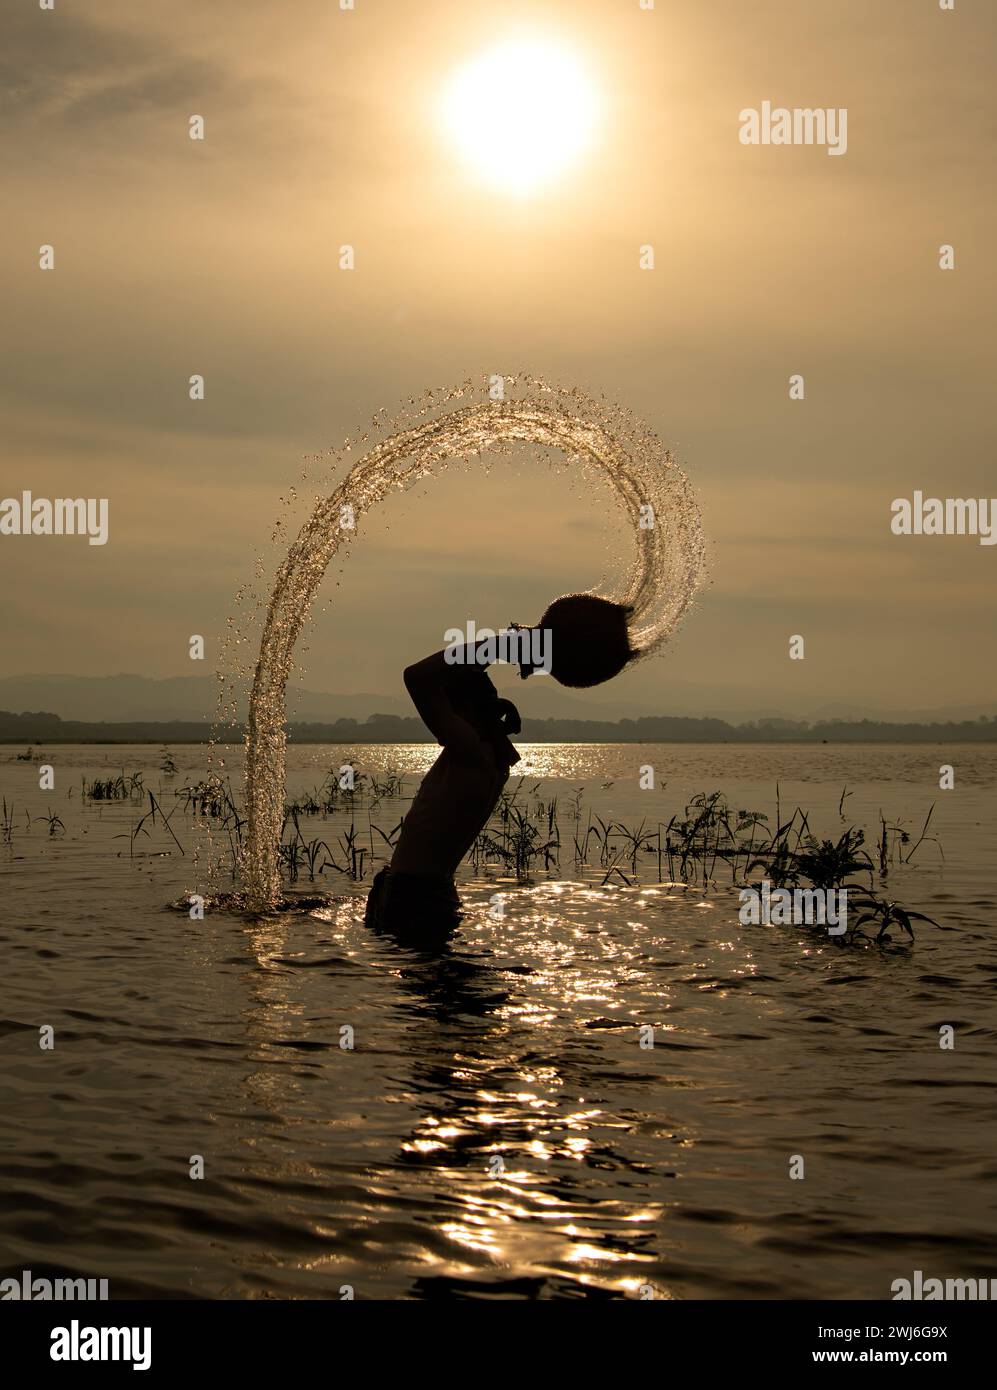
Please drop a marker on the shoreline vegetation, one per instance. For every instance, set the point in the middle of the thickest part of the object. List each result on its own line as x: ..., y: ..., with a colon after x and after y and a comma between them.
x: 44, y: 728
x: 526, y: 836
x: 523, y: 837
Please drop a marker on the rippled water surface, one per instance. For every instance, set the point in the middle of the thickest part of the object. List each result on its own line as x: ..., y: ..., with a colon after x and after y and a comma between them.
x: 497, y: 1129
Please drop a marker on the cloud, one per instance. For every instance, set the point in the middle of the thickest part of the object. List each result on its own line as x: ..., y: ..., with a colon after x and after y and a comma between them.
x: 64, y: 70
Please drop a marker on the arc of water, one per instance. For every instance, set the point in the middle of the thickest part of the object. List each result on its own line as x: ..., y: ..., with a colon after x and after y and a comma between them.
x: 667, y: 573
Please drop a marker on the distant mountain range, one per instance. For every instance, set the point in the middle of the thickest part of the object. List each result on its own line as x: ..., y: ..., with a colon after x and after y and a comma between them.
x: 137, y: 699
x: 132, y: 699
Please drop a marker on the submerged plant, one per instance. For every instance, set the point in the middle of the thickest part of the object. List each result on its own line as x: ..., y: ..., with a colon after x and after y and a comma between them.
x: 634, y: 841
x: 53, y: 822
x: 523, y: 835
x: 355, y: 856
x: 120, y: 788
x: 883, y: 913
x: 519, y: 841
x: 824, y: 863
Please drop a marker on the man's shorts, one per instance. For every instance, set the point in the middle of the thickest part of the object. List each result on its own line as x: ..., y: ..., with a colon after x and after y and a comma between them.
x: 410, y: 906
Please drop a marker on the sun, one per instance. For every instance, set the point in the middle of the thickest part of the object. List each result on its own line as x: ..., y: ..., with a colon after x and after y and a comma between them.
x: 520, y: 113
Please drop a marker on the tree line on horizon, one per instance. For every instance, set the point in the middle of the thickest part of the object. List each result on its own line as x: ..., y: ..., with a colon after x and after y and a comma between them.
x: 44, y: 727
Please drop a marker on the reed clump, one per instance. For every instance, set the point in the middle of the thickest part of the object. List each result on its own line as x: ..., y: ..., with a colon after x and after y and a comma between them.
x: 121, y: 788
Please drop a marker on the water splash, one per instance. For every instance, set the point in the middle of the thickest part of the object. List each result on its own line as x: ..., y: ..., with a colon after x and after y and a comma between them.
x: 591, y: 435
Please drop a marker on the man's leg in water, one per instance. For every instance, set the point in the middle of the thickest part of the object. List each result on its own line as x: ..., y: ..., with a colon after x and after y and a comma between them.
x: 412, y: 907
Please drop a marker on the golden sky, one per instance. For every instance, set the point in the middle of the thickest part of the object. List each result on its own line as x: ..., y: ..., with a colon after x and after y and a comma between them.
x: 220, y: 257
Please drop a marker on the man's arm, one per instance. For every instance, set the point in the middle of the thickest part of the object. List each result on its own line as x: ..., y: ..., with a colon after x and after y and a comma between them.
x: 428, y: 682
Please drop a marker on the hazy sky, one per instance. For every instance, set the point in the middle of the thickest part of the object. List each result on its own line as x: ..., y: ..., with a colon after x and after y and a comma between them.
x: 220, y: 257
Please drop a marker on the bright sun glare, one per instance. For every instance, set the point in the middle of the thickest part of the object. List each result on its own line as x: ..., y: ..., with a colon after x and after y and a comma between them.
x: 520, y: 113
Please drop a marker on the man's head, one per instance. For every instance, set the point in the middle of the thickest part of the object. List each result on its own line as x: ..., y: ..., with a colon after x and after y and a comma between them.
x: 587, y: 640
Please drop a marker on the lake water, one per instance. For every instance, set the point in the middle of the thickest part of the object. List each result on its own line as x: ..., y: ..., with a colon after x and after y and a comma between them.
x: 497, y: 1129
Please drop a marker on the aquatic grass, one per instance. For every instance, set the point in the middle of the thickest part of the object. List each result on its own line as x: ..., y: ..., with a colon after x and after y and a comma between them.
x: 298, y: 851
x: 602, y: 839
x: 210, y: 798
x: 289, y: 855
x: 53, y: 822
x: 154, y: 814
x: 120, y: 788
x: 582, y: 846
x: 355, y: 856
x: 894, y: 837
x: 390, y: 837
x: 391, y: 785
x: 132, y: 835
x: 825, y: 864
x: 702, y: 836
x: 311, y: 850
x: 925, y: 837
x: 635, y: 841
x: 518, y: 841
x: 790, y: 856
x: 307, y: 805
x: 706, y: 842
x: 154, y: 811
x: 884, y: 913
